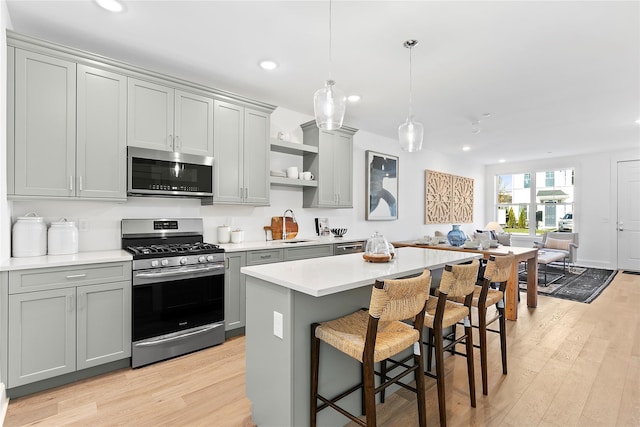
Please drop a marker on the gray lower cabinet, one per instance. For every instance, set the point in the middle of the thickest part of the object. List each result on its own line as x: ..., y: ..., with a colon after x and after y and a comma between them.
x: 332, y: 166
x: 53, y: 151
x: 234, y: 290
x: 241, y: 155
x: 235, y: 282
x: 79, y: 323
x: 306, y: 252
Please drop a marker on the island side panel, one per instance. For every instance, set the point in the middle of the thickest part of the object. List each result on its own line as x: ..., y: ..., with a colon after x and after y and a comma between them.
x: 269, y: 358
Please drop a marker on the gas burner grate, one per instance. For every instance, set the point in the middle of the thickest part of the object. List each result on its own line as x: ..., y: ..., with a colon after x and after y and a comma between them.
x: 173, y: 249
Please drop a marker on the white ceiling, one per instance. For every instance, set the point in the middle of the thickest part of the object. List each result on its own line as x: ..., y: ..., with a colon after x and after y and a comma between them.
x: 558, y: 77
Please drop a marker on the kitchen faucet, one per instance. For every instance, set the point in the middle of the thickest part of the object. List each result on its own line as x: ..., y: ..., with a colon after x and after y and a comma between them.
x: 284, y: 223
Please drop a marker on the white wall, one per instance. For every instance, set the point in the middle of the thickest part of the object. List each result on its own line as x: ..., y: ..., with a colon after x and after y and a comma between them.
x: 103, y: 218
x: 595, y: 201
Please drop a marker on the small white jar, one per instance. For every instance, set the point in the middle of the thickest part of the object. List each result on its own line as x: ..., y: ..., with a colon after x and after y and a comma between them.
x: 224, y: 234
x: 63, y: 237
x: 237, y: 236
x: 29, y: 237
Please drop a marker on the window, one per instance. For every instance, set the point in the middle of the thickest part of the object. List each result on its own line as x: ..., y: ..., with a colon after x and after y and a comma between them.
x: 547, y: 193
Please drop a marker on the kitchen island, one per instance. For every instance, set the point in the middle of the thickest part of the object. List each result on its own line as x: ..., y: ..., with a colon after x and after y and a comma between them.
x: 283, y: 299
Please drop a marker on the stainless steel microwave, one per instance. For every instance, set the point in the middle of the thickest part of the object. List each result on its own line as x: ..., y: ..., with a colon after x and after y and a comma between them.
x: 168, y: 174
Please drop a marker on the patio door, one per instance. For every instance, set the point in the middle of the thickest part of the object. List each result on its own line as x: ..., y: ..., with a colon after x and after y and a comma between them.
x: 629, y: 215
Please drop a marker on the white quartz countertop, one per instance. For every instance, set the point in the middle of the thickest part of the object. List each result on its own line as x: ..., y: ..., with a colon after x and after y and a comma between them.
x: 325, y: 276
x: 279, y: 244
x: 96, y: 257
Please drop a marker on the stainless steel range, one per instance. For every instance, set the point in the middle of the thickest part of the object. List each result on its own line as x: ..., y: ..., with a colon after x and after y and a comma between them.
x: 178, y: 288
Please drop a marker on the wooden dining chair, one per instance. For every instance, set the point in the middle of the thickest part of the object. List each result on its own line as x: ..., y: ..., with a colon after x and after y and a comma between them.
x: 373, y: 335
x: 458, y: 281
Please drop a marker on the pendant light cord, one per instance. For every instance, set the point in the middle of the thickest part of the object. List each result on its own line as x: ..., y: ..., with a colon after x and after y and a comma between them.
x: 410, y: 84
x: 330, y: 40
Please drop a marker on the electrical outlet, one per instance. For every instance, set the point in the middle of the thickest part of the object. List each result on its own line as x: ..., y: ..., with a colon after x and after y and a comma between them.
x: 83, y: 225
x: 278, y: 326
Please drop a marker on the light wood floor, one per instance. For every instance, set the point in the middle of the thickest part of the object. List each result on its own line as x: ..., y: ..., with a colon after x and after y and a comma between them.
x: 570, y: 364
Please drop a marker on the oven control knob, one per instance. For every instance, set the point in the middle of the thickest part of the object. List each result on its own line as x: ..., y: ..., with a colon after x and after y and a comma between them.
x: 164, y: 262
x: 210, y: 258
x: 154, y: 263
x: 183, y: 260
x: 202, y: 259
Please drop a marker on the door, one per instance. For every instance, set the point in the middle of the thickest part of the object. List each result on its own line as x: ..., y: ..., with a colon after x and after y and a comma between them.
x: 150, y: 115
x: 102, y: 132
x: 343, y: 167
x: 234, y: 291
x: 326, y: 177
x: 629, y: 215
x: 104, y: 323
x: 256, y: 157
x: 42, y: 334
x: 193, y: 124
x: 228, y: 186
x: 45, y: 125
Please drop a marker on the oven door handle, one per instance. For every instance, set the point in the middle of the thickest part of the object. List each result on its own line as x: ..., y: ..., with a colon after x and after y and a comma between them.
x: 179, y: 272
x: 174, y: 337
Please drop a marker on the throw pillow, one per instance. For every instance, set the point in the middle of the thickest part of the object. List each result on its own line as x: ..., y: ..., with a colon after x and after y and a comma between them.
x: 504, y: 239
x: 482, y: 235
x: 562, y: 244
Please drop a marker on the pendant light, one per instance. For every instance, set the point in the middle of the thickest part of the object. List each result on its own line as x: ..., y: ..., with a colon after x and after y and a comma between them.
x: 329, y: 103
x: 410, y: 133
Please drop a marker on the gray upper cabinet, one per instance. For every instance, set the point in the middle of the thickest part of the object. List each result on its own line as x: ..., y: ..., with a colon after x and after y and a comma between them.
x: 102, y: 144
x: 69, y: 130
x: 168, y: 119
x: 44, y: 145
x: 150, y: 114
x: 241, y: 155
x: 332, y: 166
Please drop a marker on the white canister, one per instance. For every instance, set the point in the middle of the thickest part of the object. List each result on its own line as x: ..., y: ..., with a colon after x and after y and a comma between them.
x: 224, y: 234
x: 237, y: 236
x: 29, y: 236
x: 63, y: 237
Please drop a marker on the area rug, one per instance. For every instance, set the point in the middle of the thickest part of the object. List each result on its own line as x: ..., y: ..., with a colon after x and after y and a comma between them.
x: 581, y: 284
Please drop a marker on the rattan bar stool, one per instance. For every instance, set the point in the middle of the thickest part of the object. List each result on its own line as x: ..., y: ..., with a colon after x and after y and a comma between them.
x: 495, y: 274
x: 371, y: 336
x: 458, y: 281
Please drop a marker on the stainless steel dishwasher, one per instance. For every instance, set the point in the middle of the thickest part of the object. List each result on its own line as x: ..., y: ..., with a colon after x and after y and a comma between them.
x: 348, y: 248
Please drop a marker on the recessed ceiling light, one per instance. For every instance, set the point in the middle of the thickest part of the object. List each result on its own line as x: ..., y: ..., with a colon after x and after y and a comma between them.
x: 502, y: 160
x: 268, y: 65
x: 638, y: 121
x: 353, y: 98
x: 110, y: 5
x: 466, y: 148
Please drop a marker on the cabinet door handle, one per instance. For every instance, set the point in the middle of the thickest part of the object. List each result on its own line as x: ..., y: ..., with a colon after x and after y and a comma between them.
x: 226, y: 263
x: 177, y: 145
x: 70, y: 303
x: 70, y: 182
x: 265, y: 256
x: 76, y: 276
x: 80, y: 183
x: 170, y: 142
x: 246, y: 193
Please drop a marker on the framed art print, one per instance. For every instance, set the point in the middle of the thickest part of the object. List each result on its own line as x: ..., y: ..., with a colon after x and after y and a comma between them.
x: 381, y: 186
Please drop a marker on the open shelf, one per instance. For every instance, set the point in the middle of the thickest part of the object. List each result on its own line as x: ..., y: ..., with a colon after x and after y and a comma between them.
x: 293, y: 182
x: 292, y: 147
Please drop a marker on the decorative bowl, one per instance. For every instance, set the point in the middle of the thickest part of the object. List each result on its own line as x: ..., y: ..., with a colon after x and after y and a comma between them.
x: 339, y: 232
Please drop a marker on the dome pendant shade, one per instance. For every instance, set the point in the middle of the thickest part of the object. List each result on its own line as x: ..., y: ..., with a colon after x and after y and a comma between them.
x: 410, y: 135
x: 329, y: 105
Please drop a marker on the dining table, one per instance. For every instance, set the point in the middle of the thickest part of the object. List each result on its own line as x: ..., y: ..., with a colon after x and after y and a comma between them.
x: 521, y: 254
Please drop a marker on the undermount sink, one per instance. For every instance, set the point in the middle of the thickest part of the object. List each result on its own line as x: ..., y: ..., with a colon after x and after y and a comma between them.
x: 296, y: 241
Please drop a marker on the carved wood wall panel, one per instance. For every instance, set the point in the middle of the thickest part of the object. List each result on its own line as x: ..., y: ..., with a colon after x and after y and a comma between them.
x: 448, y: 198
